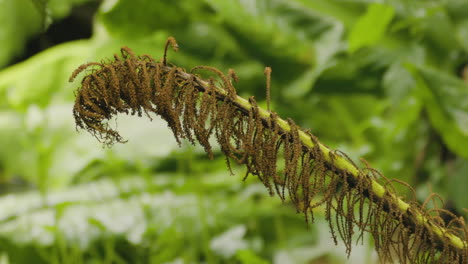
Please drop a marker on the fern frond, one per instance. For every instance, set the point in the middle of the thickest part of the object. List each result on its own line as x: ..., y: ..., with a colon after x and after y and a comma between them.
x: 197, y: 109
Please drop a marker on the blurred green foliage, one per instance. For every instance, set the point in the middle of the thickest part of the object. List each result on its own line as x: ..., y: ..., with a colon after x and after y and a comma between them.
x: 378, y: 81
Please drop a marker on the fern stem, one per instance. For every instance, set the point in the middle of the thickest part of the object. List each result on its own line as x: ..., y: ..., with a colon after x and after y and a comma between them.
x: 377, y: 190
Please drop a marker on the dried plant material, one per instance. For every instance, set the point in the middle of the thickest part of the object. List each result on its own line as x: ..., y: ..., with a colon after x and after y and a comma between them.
x: 355, y: 199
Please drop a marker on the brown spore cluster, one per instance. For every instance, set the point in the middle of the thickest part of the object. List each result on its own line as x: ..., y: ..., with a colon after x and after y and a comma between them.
x: 198, y: 109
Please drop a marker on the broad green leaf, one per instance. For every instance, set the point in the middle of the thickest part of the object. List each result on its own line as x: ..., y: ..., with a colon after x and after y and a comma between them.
x: 140, y: 18
x: 462, y: 34
x: 441, y: 33
x: 19, y: 20
x: 457, y: 183
x: 275, y: 29
x: 249, y: 257
x: 22, y: 19
x: 356, y: 73
x: 445, y: 99
x: 370, y: 27
x: 304, y: 84
x: 345, y: 12
x: 397, y: 82
x: 327, y: 46
x: 121, y: 16
x: 61, y: 8
x: 37, y: 79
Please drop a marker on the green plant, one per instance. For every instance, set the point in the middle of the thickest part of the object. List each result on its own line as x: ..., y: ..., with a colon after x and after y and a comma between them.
x: 313, y: 175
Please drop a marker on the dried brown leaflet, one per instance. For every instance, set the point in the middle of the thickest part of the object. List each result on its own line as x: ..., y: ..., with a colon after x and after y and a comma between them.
x: 313, y: 175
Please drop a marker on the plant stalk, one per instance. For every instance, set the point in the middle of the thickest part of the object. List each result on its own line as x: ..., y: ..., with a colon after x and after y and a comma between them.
x: 411, y: 218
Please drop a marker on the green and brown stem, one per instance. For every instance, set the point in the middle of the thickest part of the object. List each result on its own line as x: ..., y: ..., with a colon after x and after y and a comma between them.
x: 412, y: 218
x: 197, y: 109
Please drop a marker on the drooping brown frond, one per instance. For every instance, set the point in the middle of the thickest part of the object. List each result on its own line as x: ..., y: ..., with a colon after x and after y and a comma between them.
x: 355, y: 199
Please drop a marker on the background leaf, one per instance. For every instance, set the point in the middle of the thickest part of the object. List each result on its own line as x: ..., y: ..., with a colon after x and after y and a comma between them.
x: 370, y: 27
x: 445, y: 98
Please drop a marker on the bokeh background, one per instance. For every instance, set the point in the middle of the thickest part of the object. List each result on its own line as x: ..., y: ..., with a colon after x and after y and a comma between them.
x: 381, y: 80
